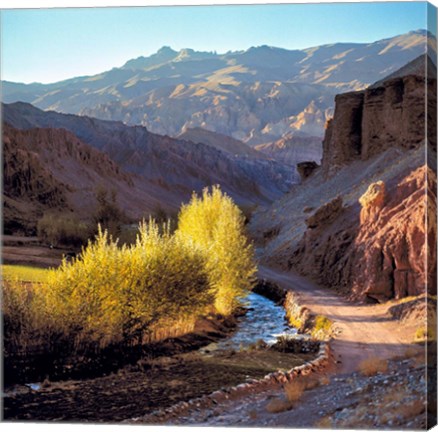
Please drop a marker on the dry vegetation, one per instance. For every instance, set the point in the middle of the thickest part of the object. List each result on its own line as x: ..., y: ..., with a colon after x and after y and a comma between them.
x: 373, y: 365
x: 293, y: 391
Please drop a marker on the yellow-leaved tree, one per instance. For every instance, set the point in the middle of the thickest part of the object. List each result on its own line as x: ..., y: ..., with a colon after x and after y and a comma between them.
x: 216, y: 225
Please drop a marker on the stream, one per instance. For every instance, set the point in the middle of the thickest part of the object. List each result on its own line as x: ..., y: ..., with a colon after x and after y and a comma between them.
x: 264, y: 320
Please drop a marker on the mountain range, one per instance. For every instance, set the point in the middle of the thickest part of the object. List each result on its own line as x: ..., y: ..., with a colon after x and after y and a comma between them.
x: 56, y: 161
x: 257, y: 96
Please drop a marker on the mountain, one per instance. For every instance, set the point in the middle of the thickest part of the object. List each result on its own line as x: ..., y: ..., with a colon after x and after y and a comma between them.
x: 170, y: 168
x: 255, y: 96
x: 358, y: 223
x: 52, y: 170
x: 293, y: 149
x: 220, y: 142
x: 421, y: 66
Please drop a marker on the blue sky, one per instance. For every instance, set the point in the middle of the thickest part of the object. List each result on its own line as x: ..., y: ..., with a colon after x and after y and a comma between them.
x: 47, y: 45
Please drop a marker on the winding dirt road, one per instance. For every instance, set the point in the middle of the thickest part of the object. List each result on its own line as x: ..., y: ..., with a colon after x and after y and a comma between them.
x: 361, y: 331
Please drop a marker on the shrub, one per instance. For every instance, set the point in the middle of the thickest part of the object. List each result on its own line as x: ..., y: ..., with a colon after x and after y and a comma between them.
x: 425, y: 334
x: 278, y: 405
x: 108, y: 214
x: 293, y: 391
x: 112, y: 294
x: 373, y: 365
x: 216, y: 225
x: 63, y: 229
x: 295, y: 388
x: 136, y: 293
x: 322, y: 327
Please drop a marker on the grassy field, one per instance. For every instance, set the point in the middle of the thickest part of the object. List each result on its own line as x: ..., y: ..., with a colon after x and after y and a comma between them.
x: 23, y: 273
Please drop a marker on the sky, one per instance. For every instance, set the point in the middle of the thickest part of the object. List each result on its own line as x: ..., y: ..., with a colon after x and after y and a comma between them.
x: 49, y: 45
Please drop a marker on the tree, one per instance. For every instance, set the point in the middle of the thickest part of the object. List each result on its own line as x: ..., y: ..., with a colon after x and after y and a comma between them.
x: 108, y: 214
x: 216, y: 225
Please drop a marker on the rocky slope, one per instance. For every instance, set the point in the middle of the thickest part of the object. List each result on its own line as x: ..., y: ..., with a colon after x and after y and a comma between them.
x: 170, y: 168
x: 257, y: 95
x: 293, y: 149
x: 358, y: 223
x: 52, y: 170
x: 220, y: 142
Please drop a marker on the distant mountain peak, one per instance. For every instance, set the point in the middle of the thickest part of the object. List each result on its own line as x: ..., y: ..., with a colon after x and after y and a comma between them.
x: 165, y: 49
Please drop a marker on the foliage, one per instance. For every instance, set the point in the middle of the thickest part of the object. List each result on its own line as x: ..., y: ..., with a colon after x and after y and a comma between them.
x: 23, y: 273
x: 63, y: 229
x: 108, y: 214
x: 293, y: 390
x: 115, y: 294
x: 216, y: 225
x: 322, y: 327
x: 425, y: 334
x: 131, y: 294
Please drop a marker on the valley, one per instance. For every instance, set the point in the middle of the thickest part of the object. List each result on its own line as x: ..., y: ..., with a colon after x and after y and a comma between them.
x: 238, y: 239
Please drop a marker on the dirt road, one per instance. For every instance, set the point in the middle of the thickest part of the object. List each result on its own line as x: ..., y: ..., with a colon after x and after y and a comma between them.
x: 361, y: 331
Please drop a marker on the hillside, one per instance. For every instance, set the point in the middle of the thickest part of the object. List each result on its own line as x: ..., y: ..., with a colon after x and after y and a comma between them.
x: 357, y: 224
x: 170, y: 168
x: 257, y: 95
x: 220, y: 142
x: 293, y: 149
x: 52, y: 170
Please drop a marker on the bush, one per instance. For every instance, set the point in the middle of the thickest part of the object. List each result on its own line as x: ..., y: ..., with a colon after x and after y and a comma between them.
x: 293, y: 390
x: 216, y: 225
x: 63, y: 229
x: 322, y: 327
x: 112, y: 294
x: 373, y: 365
x: 133, y: 294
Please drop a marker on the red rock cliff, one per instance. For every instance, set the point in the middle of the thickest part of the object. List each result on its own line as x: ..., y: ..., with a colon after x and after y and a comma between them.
x: 383, y: 245
x: 368, y: 122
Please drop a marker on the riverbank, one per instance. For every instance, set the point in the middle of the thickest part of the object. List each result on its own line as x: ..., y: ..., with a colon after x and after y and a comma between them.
x: 395, y: 399
x: 230, y: 356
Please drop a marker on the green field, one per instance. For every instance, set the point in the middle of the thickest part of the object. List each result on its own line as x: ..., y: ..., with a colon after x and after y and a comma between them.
x: 23, y: 273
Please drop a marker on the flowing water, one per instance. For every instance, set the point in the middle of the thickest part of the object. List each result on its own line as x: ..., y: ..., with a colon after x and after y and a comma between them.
x: 264, y: 320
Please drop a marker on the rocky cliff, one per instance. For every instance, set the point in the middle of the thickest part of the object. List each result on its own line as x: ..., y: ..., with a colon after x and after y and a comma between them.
x: 389, y: 114
x: 378, y: 250
x: 365, y: 223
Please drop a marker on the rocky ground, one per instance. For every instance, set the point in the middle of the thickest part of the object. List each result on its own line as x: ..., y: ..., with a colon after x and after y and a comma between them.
x: 395, y: 399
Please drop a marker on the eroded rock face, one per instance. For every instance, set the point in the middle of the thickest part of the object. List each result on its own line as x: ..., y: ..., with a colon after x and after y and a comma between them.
x: 368, y: 122
x: 393, y: 258
x: 382, y: 249
x: 372, y: 201
x: 325, y: 215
